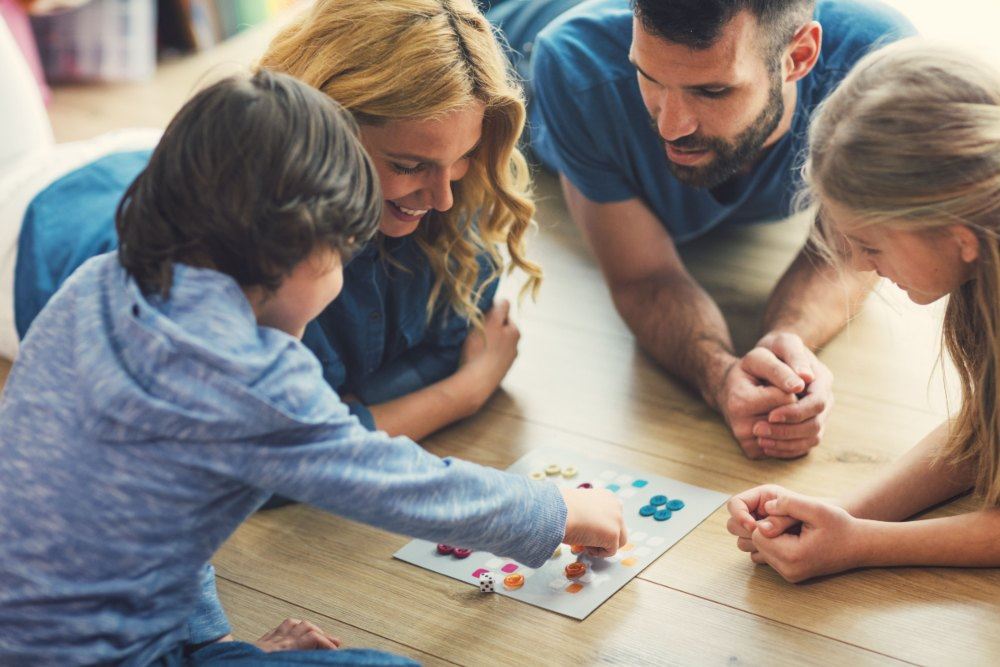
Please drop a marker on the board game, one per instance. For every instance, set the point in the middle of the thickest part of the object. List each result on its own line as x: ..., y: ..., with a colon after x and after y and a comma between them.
x: 658, y: 512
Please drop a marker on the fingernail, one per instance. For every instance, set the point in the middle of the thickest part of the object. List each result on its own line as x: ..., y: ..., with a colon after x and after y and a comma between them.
x: 769, y: 505
x: 748, y: 527
x: 793, y: 384
x: 776, y: 419
x: 763, y: 430
x: 766, y: 525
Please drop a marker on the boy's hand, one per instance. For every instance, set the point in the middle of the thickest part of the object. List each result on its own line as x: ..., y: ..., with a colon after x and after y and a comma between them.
x: 296, y: 635
x: 830, y: 540
x: 487, y: 355
x: 594, y: 520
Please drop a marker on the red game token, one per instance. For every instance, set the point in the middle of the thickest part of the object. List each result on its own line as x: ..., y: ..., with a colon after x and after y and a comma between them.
x: 461, y: 553
x: 574, y: 570
x: 585, y: 485
x: 445, y: 549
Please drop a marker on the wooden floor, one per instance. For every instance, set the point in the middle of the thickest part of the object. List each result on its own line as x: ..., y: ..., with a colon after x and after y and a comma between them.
x: 581, y: 384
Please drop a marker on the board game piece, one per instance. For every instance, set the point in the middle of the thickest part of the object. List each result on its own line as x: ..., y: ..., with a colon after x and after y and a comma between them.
x: 585, y: 485
x: 553, y: 470
x: 536, y: 474
x: 513, y: 581
x: 675, y: 505
x: 661, y: 515
x: 656, y: 501
x: 574, y: 570
x: 445, y: 550
x: 569, y: 471
x: 461, y: 553
x: 487, y: 583
x: 548, y: 586
x: 647, y: 510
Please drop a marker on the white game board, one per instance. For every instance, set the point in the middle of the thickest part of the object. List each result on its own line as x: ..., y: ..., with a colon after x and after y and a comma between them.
x: 548, y: 586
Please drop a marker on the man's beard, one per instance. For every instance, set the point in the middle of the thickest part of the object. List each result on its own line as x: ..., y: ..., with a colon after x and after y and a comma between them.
x: 730, y: 157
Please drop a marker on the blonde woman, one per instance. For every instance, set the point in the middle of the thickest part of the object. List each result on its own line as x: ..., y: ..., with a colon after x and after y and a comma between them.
x: 905, y: 167
x: 440, y: 116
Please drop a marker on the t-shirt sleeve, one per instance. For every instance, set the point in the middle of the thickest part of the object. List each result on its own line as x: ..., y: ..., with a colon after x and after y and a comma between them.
x: 564, y: 122
x: 394, y: 484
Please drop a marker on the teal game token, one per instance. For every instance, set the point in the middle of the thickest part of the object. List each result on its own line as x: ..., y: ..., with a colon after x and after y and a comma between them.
x: 662, y: 515
x: 647, y: 510
x: 658, y: 500
x: 675, y: 505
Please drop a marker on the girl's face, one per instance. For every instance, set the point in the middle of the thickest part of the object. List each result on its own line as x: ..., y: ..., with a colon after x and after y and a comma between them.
x: 417, y: 161
x: 926, y: 265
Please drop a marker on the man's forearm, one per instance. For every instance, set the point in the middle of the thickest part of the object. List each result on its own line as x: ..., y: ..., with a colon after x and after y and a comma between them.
x: 815, y: 300
x: 677, y: 323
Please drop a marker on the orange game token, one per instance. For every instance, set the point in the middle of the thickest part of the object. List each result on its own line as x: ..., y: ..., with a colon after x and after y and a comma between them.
x: 512, y: 581
x: 574, y: 570
x: 574, y: 588
x: 576, y: 549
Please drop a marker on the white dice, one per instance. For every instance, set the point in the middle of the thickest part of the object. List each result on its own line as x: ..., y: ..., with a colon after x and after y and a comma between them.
x: 487, y: 583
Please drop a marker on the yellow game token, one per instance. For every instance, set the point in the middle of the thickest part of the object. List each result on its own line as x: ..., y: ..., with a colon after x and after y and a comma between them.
x: 557, y: 552
x: 537, y: 474
x: 553, y: 470
x: 569, y: 471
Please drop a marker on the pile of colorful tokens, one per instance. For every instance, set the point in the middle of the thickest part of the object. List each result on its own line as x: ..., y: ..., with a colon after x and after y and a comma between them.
x: 661, y: 508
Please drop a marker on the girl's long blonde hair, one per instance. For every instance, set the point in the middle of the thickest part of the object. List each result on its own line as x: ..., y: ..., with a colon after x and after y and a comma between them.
x: 911, y: 140
x: 389, y: 60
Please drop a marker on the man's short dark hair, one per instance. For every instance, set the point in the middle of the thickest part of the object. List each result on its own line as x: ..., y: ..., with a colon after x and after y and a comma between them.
x: 252, y: 176
x: 697, y: 24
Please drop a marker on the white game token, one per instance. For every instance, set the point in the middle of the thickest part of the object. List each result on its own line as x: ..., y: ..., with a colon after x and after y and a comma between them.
x: 642, y: 552
x: 608, y: 474
x: 627, y: 492
x: 655, y: 541
x: 558, y: 583
x: 637, y: 537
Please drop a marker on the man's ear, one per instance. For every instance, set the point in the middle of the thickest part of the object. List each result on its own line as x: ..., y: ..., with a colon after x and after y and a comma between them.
x: 803, y: 52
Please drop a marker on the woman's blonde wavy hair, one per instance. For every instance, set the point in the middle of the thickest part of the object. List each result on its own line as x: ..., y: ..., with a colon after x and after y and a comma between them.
x: 911, y: 140
x: 387, y: 60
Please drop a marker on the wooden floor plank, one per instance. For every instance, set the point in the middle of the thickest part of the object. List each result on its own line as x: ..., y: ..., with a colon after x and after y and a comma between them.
x: 345, y: 571
x: 260, y: 613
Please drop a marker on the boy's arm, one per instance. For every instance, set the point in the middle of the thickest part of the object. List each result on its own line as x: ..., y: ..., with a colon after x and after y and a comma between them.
x: 393, y: 484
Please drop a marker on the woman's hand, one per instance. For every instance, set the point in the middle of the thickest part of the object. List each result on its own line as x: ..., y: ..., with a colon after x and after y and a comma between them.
x: 487, y: 355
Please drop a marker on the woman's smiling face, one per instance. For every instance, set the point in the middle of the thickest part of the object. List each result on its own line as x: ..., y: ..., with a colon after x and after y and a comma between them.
x: 417, y: 161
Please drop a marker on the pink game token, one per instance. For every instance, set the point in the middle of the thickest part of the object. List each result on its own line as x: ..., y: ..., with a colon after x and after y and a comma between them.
x: 461, y: 553
x: 445, y: 549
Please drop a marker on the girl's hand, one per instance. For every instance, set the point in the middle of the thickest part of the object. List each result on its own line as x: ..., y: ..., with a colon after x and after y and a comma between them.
x: 747, y: 515
x: 830, y: 539
x: 594, y: 520
x: 487, y: 355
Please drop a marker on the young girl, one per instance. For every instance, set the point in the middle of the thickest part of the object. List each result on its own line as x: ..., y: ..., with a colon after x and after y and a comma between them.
x: 163, y: 393
x: 905, y: 166
x: 440, y: 116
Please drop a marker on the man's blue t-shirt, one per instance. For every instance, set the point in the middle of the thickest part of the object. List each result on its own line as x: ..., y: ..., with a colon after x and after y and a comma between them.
x: 589, y: 122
